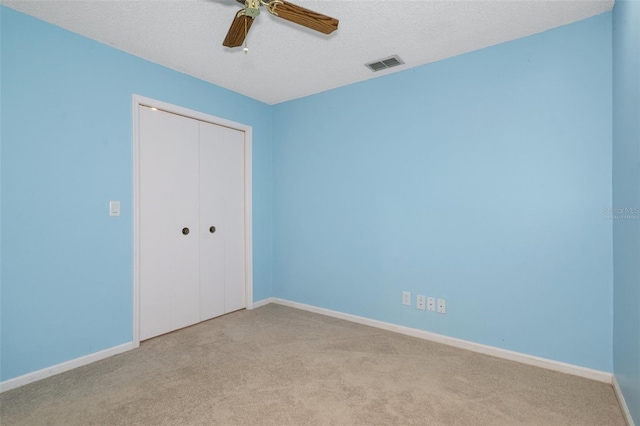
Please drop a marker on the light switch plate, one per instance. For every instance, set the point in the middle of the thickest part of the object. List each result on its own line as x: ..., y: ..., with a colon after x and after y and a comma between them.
x: 114, y: 208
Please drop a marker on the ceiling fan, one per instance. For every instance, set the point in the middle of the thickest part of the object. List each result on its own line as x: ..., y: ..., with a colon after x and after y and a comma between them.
x: 280, y: 8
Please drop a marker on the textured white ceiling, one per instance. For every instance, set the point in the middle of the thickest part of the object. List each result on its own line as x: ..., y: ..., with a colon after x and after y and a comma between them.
x: 286, y: 61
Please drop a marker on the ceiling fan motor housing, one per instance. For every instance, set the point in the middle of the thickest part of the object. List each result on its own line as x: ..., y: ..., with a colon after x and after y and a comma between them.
x: 251, y: 12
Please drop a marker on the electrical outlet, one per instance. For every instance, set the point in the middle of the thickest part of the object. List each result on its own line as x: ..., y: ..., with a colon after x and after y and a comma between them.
x: 442, y: 306
x: 431, y: 304
x: 420, y: 302
x: 406, y: 298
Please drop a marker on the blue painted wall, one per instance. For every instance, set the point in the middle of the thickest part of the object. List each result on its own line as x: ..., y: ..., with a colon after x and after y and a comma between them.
x: 66, y: 151
x: 480, y: 179
x: 626, y: 195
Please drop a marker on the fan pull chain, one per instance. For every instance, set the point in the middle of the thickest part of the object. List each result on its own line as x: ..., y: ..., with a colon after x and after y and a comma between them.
x: 246, y: 49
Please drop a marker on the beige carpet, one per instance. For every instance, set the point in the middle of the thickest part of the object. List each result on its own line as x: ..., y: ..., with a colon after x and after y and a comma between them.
x: 281, y: 366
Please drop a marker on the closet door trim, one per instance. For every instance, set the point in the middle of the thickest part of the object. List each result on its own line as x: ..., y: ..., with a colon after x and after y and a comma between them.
x: 138, y: 101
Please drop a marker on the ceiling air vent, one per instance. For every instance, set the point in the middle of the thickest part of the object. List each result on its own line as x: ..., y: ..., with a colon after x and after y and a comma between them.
x: 383, y: 64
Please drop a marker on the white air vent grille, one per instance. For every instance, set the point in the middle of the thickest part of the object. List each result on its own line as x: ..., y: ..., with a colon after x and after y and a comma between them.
x: 383, y: 64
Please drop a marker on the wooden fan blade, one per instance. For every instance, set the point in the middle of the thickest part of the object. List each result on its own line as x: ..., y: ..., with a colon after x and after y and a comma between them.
x: 305, y: 17
x: 237, y: 31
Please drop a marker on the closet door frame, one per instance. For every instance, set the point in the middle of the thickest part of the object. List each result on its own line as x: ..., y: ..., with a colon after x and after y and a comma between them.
x: 138, y: 101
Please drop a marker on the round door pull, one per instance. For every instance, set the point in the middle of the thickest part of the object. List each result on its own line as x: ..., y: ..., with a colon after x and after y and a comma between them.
x: 212, y: 229
x: 185, y: 231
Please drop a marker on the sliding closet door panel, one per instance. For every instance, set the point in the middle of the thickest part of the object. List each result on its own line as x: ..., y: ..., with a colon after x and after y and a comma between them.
x: 222, y: 253
x: 169, y: 222
x: 234, y: 215
x: 212, y: 182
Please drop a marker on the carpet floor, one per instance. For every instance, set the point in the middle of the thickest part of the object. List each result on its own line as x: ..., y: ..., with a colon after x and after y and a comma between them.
x: 281, y: 366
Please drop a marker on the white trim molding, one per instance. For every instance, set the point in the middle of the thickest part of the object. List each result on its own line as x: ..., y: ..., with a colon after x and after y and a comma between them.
x: 137, y: 101
x: 248, y: 215
x: 562, y: 367
x: 65, y: 366
x: 621, y: 401
x: 263, y: 302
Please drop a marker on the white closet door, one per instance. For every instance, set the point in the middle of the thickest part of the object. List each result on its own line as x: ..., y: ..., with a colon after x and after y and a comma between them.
x: 222, y: 255
x: 169, y: 202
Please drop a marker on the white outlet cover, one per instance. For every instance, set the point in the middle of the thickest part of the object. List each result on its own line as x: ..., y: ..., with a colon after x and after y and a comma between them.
x: 421, y: 302
x: 406, y: 298
x: 431, y: 303
x: 442, y: 306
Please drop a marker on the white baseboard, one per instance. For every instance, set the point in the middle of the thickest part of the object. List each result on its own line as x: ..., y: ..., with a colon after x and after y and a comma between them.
x: 623, y: 404
x: 262, y: 302
x: 87, y: 359
x: 562, y: 367
x: 575, y: 370
x: 65, y: 366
